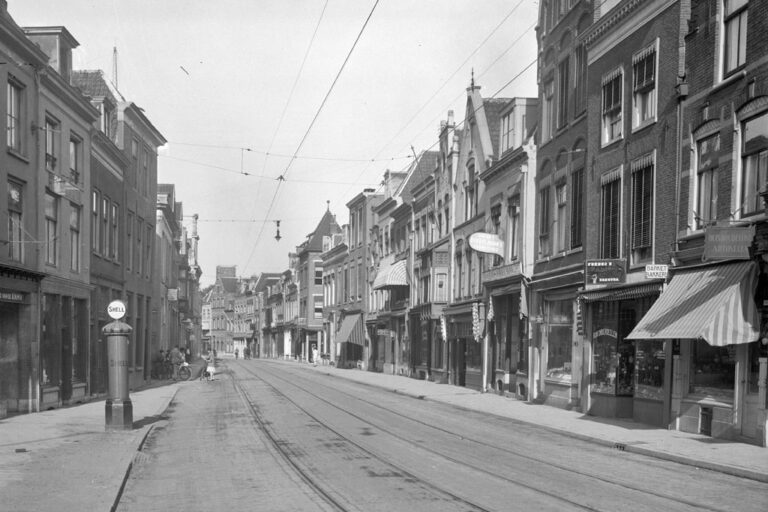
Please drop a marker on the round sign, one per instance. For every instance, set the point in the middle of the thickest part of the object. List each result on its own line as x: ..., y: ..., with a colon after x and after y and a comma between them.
x: 116, y: 309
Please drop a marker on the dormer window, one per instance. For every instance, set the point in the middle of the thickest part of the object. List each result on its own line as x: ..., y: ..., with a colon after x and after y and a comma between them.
x: 107, y: 113
x: 507, y: 132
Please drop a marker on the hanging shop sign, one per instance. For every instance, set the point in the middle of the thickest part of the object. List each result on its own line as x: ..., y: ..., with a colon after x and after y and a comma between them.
x: 656, y: 271
x: 116, y: 309
x: 605, y: 271
x: 487, y: 243
x: 728, y: 243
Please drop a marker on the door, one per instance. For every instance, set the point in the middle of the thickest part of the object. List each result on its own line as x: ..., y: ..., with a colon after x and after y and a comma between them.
x: 749, y: 402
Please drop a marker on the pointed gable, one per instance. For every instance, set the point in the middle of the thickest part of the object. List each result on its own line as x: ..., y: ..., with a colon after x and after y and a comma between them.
x: 326, y: 227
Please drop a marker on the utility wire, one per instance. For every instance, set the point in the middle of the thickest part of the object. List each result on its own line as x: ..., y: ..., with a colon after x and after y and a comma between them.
x: 328, y: 94
x: 282, y: 155
x: 293, y: 87
x: 281, y: 178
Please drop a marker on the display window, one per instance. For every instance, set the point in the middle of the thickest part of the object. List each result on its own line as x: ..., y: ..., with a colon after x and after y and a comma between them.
x: 713, y: 371
x: 650, y: 360
x: 559, y: 339
x: 613, y: 364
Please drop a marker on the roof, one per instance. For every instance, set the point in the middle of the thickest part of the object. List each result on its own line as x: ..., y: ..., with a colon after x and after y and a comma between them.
x: 93, y: 84
x: 229, y: 284
x: 326, y: 227
x: 424, y: 167
x: 493, y: 108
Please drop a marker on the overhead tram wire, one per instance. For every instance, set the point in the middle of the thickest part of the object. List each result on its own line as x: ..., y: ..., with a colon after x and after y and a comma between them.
x: 281, y: 178
x: 293, y: 87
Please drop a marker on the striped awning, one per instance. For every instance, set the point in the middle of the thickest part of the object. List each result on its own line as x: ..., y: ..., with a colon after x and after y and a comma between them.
x: 714, y: 303
x: 394, y: 275
x: 351, y: 330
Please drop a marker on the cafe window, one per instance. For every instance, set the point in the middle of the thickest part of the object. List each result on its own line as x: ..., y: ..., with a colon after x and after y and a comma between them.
x: 712, y: 370
x: 559, y: 339
x: 650, y: 359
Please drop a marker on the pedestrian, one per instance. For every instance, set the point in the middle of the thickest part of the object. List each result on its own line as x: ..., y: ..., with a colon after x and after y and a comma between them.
x: 157, y: 364
x: 210, y: 366
x: 188, y: 355
x: 247, y: 353
x: 236, y: 353
x: 176, y: 360
x: 314, y: 354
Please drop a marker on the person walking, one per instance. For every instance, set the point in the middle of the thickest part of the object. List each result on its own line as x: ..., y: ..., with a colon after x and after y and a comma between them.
x: 237, y: 353
x: 176, y: 360
x: 314, y: 354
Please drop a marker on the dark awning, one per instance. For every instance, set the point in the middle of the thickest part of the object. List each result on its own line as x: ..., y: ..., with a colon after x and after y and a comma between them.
x: 351, y: 330
x: 622, y: 293
x: 394, y: 275
x: 714, y: 303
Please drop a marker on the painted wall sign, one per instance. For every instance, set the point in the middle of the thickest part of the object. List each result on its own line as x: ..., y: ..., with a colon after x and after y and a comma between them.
x: 728, y: 243
x: 605, y: 271
x: 116, y: 309
x: 487, y: 243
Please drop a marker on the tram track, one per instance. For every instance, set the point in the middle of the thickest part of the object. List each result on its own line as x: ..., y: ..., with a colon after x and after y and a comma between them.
x: 282, y: 448
x: 530, y: 459
x: 399, y: 468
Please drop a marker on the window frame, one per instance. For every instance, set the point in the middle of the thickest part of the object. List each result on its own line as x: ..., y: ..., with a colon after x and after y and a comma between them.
x: 734, y: 17
x: 612, y: 113
x: 645, y: 93
x: 709, y: 167
x: 760, y: 181
x: 610, y: 234
x: 52, y: 128
x: 75, y: 219
x: 643, y: 180
x: 51, y: 212
x: 14, y: 115
x: 563, y: 90
x: 577, y: 208
x: 15, y: 221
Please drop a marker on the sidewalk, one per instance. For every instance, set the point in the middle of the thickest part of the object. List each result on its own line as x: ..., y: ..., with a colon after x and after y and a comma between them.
x: 63, y: 459
x: 729, y: 457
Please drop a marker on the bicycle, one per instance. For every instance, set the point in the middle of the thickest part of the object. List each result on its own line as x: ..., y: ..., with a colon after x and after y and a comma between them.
x: 184, y: 372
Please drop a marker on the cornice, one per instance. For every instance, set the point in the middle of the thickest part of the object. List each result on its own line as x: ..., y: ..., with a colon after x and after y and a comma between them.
x: 610, y: 20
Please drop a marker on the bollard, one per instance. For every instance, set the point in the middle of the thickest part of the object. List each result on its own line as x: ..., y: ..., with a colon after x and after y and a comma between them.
x: 118, y: 409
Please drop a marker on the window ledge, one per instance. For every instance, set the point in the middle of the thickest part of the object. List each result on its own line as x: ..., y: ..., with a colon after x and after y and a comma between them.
x: 14, y: 153
x: 606, y: 145
x: 645, y: 124
x: 725, y: 82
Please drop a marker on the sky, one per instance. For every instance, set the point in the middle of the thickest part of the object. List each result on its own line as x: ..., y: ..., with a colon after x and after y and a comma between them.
x: 248, y: 91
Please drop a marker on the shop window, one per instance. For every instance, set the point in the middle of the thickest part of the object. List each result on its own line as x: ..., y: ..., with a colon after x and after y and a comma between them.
x: 712, y: 370
x: 559, y: 339
x: 650, y: 359
x: 613, y: 356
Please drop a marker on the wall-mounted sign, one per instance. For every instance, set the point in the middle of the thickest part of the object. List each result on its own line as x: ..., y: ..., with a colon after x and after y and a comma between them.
x: 11, y: 296
x: 656, y: 271
x: 173, y: 294
x: 728, y: 243
x: 487, y: 243
x: 116, y: 309
x: 605, y: 271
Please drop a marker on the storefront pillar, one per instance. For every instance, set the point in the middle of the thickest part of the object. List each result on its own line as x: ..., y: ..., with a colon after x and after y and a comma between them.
x: 680, y: 369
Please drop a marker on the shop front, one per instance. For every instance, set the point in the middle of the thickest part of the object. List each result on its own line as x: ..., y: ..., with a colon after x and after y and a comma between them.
x: 424, y: 322
x: 507, y: 337
x: 465, y: 345
x: 556, y: 355
x: 350, y: 340
x: 19, y: 313
x: 626, y: 379
x: 710, y: 323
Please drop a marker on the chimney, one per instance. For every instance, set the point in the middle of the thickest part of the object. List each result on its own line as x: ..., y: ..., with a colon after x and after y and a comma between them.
x: 57, y: 43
